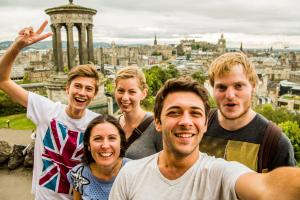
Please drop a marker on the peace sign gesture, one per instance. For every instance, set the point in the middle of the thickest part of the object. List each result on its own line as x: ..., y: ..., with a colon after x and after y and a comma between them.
x: 27, y: 36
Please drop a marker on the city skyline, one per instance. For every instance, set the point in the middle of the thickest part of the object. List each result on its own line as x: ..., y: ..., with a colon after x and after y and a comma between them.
x: 257, y: 24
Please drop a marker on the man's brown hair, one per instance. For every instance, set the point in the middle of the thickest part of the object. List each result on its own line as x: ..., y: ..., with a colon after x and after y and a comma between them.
x: 182, y: 84
x: 87, y: 70
x: 224, y: 63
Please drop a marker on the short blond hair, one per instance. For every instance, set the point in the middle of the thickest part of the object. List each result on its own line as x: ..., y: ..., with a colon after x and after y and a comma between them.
x: 87, y: 70
x: 132, y: 72
x: 224, y: 63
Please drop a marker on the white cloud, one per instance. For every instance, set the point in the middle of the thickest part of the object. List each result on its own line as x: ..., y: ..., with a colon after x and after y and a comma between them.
x: 255, y: 22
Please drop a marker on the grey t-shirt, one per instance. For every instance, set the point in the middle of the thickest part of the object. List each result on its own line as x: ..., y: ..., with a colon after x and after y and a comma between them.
x: 150, y: 142
x: 209, y: 178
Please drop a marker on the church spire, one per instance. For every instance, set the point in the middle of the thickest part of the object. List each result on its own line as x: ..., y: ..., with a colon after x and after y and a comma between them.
x: 241, y: 47
x: 155, y: 41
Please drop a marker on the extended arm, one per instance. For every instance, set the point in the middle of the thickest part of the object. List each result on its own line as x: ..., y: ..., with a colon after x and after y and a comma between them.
x: 26, y: 37
x: 281, y: 183
x: 76, y: 195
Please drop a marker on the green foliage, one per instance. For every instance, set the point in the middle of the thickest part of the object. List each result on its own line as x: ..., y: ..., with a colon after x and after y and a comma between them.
x: 156, y: 53
x: 199, y: 76
x: 180, y: 51
x: 212, y: 102
x: 277, y: 115
x: 156, y: 77
x: 18, y: 121
x: 292, y: 130
x: 109, y: 86
x: 66, y: 69
x: 195, y: 46
x: 288, y: 121
x: 8, y: 107
x: 188, y: 56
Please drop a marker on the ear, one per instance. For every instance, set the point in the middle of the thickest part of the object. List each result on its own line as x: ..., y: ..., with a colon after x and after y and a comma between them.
x: 67, y: 88
x: 157, y: 125
x: 89, y: 148
x: 144, y: 93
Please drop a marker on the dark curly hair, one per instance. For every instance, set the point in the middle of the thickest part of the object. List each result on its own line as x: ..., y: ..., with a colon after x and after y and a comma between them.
x: 87, y: 156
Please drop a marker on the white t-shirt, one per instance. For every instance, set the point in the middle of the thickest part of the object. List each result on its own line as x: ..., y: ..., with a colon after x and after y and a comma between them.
x: 208, y: 179
x: 58, y: 146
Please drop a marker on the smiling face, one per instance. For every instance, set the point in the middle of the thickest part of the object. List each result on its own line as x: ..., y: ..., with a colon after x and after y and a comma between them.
x: 233, y: 94
x: 105, y: 144
x: 129, y: 94
x: 182, y: 123
x: 80, y: 93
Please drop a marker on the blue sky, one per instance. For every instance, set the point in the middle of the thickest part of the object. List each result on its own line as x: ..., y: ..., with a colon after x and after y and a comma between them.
x: 256, y: 23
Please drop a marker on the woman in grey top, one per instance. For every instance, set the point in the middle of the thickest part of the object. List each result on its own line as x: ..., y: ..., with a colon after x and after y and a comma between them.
x: 131, y: 88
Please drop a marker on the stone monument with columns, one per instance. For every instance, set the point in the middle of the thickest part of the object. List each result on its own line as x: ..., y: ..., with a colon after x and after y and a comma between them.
x: 71, y: 16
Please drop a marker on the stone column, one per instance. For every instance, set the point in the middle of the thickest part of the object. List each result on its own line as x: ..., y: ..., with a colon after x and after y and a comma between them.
x: 54, y: 46
x: 90, y: 43
x: 70, y: 45
x: 59, y: 52
x: 82, y: 45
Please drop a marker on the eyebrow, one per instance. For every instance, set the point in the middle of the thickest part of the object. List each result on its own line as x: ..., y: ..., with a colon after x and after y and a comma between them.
x: 192, y: 107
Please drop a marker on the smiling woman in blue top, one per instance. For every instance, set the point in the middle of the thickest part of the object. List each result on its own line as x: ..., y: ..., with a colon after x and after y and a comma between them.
x: 104, y: 148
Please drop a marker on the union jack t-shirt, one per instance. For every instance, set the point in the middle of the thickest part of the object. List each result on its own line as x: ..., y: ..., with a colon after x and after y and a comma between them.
x: 58, y: 147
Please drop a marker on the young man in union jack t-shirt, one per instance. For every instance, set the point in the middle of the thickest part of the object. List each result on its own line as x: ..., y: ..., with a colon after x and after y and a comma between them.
x: 59, y: 139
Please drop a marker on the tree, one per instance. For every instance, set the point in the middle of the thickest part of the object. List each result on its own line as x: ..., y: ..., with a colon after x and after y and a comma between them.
x: 156, y: 76
x: 199, y: 76
x: 292, y: 130
x: 277, y: 115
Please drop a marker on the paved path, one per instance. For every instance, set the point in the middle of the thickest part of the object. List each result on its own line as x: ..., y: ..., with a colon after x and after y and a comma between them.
x: 15, y: 136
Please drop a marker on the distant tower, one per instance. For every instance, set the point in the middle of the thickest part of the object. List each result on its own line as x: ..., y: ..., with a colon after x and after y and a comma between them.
x: 241, y: 47
x: 155, y: 41
x: 114, y: 59
x: 222, y: 44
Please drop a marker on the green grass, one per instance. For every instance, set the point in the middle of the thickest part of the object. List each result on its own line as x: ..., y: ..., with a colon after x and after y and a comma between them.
x: 18, y: 121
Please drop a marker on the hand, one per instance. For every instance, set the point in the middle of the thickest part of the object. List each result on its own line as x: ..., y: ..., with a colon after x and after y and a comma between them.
x: 27, y: 36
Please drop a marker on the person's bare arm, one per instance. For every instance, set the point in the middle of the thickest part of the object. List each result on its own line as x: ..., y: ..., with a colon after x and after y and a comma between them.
x: 76, y: 195
x: 281, y: 183
x: 26, y: 37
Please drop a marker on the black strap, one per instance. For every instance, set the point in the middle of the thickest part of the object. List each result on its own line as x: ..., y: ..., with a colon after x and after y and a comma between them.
x: 269, y: 147
x: 137, y: 132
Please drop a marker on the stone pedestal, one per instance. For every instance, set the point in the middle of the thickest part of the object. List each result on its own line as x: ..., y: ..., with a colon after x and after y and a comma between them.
x: 56, y: 88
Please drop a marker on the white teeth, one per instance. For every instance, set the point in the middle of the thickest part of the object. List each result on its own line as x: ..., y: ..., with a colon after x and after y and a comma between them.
x: 80, y: 99
x: 184, y: 135
x: 105, y: 154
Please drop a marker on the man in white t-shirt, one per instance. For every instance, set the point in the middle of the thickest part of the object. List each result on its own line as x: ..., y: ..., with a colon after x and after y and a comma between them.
x: 181, y: 172
x: 60, y: 128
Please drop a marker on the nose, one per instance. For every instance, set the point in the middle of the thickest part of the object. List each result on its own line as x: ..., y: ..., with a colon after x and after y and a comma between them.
x: 82, y: 91
x: 125, y: 96
x: 230, y: 93
x: 105, y: 144
x: 186, y: 120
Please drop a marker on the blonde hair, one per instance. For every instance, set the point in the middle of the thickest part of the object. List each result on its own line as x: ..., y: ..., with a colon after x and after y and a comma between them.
x: 132, y: 72
x: 224, y: 63
x: 87, y: 70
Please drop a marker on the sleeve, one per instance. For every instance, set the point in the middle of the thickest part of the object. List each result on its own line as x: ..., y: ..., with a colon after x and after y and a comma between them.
x: 119, y: 190
x: 228, y: 172
x: 285, y: 153
x: 70, y: 178
x: 39, y: 108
